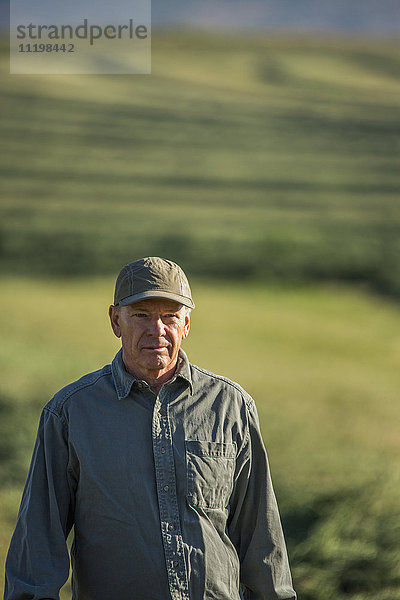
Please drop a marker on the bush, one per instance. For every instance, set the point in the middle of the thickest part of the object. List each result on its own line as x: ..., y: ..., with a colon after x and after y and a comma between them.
x: 346, y: 546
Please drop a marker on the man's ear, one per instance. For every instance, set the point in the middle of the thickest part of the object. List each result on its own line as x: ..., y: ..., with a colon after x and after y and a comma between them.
x: 186, y: 327
x: 114, y: 315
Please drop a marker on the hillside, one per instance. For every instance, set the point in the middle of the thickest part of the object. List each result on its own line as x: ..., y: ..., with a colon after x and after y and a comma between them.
x: 264, y: 157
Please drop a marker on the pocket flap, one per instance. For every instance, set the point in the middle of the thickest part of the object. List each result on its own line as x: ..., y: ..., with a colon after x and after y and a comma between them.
x: 213, y: 449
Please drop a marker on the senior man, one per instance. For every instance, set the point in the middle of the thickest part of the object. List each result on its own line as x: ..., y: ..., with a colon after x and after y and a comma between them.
x: 158, y: 465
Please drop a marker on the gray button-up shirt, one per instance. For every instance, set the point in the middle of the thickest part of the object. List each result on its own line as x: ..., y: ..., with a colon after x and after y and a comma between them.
x: 170, y: 496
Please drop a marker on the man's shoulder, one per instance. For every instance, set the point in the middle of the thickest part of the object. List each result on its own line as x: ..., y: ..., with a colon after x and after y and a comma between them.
x: 201, y: 376
x: 84, y: 384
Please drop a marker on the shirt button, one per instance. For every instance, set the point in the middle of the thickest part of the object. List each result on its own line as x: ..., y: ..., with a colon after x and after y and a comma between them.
x: 163, y: 450
x: 170, y: 527
x: 166, y: 488
x: 175, y: 563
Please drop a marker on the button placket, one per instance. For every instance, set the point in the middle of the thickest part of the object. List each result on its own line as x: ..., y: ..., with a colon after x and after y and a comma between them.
x: 167, y: 500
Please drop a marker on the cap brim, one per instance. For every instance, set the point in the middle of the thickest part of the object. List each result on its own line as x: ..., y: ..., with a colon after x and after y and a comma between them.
x: 157, y: 294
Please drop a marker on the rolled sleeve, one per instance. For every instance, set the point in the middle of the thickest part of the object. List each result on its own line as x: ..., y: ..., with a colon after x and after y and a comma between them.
x: 38, y: 562
x: 254, y: 526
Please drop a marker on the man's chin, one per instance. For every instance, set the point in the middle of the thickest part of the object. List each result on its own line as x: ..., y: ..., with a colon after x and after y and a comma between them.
x: 158, y: 362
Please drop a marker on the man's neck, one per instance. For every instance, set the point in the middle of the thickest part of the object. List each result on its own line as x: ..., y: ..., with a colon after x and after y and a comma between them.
x: 154, y: 379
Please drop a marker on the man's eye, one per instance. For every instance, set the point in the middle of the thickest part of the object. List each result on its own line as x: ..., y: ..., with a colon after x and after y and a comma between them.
x: 140, y: 315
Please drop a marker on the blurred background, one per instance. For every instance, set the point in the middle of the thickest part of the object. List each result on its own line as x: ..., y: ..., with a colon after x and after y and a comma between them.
x: 262, y: 155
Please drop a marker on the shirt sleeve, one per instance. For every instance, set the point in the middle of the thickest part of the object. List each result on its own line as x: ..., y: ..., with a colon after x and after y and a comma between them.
x: 38, y: 562
x: 254, y: 524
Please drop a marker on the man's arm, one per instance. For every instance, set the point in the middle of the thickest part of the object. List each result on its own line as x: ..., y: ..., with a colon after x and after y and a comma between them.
x: 37, y: 564
x: 254, y: 525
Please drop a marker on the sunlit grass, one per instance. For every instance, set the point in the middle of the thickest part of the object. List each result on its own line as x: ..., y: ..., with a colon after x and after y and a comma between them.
x: 276, y: 156
x: 270, y: 152
x: 321, y: 363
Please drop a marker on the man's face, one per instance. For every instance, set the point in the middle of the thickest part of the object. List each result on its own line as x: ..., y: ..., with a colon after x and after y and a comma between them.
x: 151, y: 332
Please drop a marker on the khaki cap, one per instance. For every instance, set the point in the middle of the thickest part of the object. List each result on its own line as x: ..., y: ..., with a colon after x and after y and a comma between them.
x: 152, y: 277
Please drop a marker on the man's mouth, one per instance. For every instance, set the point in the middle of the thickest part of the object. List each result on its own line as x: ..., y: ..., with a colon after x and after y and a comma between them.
x: 154, y: 348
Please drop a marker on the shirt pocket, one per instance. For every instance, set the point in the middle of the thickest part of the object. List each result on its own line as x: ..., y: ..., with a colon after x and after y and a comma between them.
x: 210, y: 468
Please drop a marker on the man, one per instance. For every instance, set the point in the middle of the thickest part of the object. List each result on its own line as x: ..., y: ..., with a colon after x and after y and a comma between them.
x: 157, y: 464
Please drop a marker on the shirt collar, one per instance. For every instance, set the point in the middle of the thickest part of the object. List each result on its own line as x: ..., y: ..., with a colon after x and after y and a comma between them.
x: 184, y: 368
x: 124, y: 381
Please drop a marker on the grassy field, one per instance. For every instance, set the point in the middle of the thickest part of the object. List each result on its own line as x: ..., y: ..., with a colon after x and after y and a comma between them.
x: 270, y: 166
x: 264, y: 157
x: 322, y: 364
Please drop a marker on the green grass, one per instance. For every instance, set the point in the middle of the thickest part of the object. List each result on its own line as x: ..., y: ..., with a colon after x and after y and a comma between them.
x: 248, y: 160
x: 274, y: 157
x: 322, y: 365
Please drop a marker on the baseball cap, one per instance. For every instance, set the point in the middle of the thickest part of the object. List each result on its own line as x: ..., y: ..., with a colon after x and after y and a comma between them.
x: 152, y: 277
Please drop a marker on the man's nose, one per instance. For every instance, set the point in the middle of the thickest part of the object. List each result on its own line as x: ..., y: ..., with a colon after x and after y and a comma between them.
x: 157, y: 326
